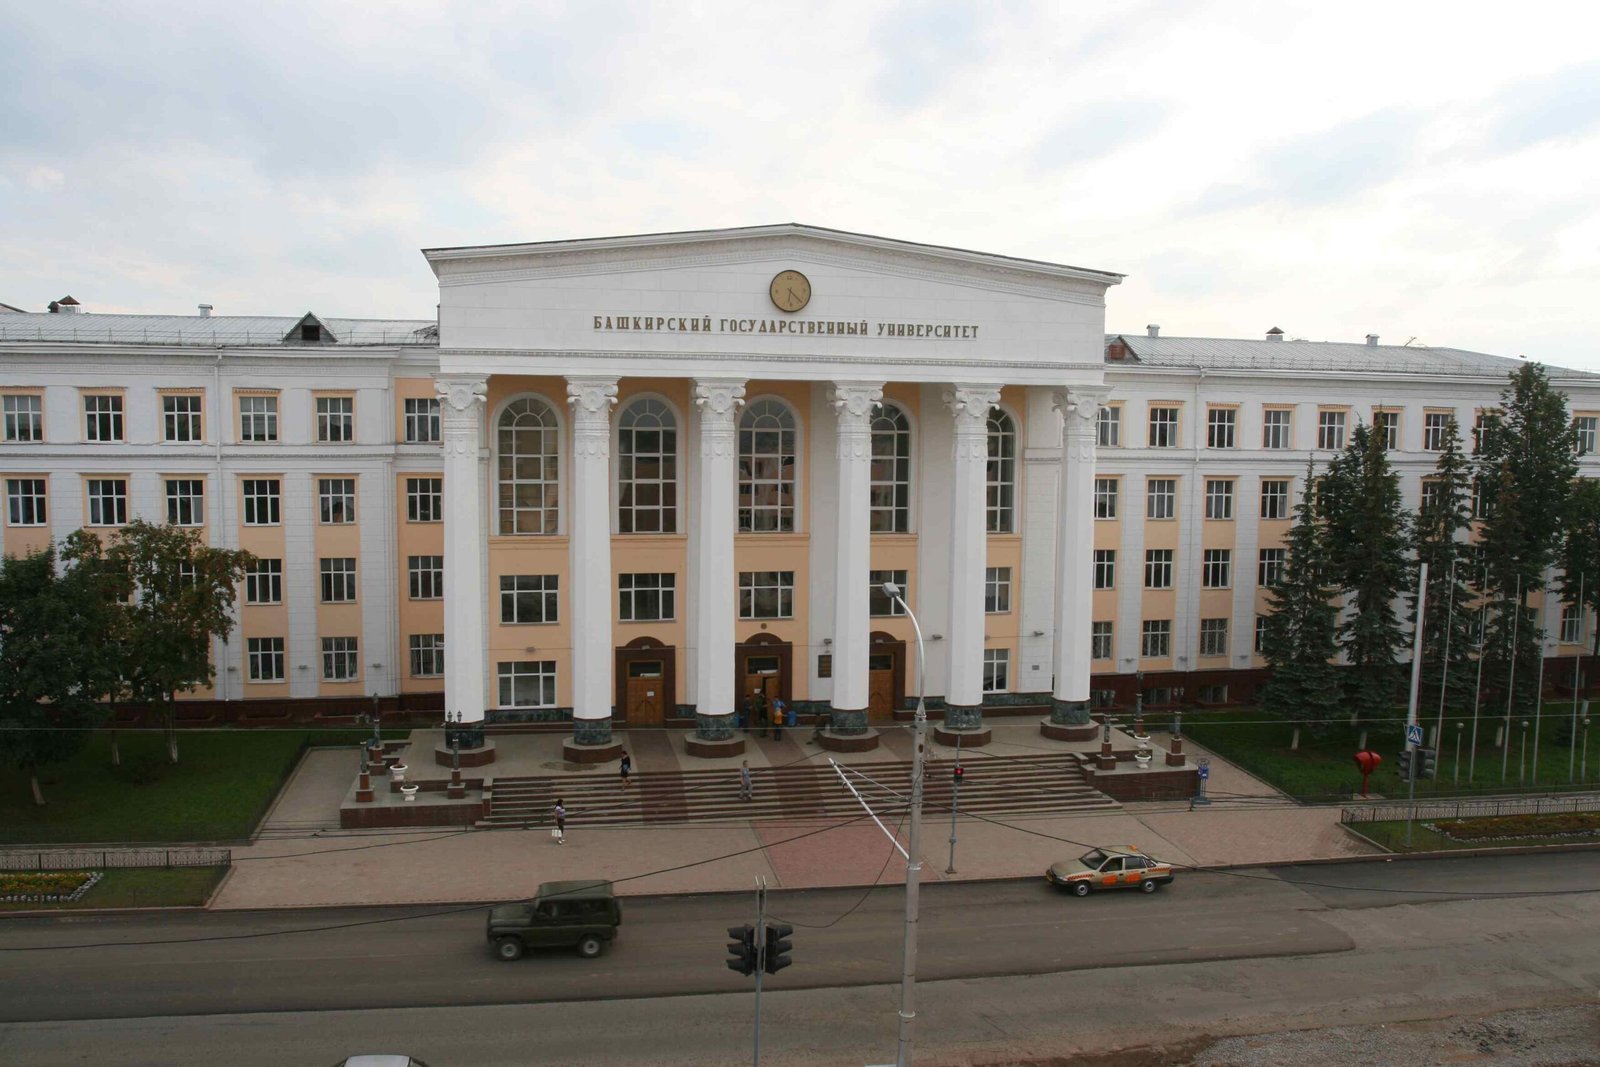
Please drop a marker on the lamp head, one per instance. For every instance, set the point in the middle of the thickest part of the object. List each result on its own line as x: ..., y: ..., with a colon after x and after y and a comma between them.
x: 890, y: 589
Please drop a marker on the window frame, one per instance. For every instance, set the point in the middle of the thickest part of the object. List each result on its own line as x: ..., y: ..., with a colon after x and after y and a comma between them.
x: 1221, y: 501
x: 420, y: 413
x: 1280, y: 500
x: 430, y: 646
x: 1169, y: 495
x: 425, y: 498
x: 263, y: 651
x: 1158, y: 631
x: 1213, y: 637
x: 253, y: 493
x: 1433, y: 435
x: 336, y: 501
x: 997, y: 590
x: 1105, y: 563
x: 22, y: 415
x: 1387, y: 420
x: 1164, y: 432
x: 893, y: 516
x: 267, y: 571
x: 425, y: 577
x: 337, y: 584
x: 1332, y: 422
x: 767, y: 491
x: 662, y: 514
x: 542, y: 677
x: 112, y: 489
x: 186, y: 501
x: 996, y: 670
x: 266, y: 419
x: 751, y: 588
x: 1277, y: 430
x: 1216, y: 568
x: 1158, y: 568
x: 1270, y: 568
x: 27, y: 496
x: 1222, y: 422
x: 513, y: 516
x: 110, y: 420
x: 1108, y: 426
x: 341, y: 661
x: 881, y: 606
x: 172, y: 420
x: 1102, y: 630
x: 1106, y: 490
x: 335, y: 418
x: 664, y: 591
x: 539, y: 594
x: 1000, y: 473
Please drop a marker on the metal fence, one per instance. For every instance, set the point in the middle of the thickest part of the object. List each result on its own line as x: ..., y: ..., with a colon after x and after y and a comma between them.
x: 1471, y: 809
x: 75, y: 859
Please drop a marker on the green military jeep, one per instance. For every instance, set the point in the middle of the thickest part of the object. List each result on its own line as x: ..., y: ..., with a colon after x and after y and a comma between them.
x: 580, y: 915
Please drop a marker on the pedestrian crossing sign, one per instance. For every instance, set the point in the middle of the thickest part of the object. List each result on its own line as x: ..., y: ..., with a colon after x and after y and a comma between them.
x: 1413, y: 734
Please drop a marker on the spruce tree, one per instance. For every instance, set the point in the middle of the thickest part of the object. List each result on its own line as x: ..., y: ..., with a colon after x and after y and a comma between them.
x: 1450, y: 634
x: 1580, y: 550
x: 1369, y: 554
x: 1299, y: 639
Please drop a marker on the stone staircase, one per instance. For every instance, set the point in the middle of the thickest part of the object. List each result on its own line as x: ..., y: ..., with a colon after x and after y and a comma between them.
x: 1023, y: 785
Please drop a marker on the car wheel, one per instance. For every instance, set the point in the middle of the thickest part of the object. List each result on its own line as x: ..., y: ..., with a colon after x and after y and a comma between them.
x: 508, y: 949
x: 1081, y: 888
x: 1149, y: 885
x: 590, y: 947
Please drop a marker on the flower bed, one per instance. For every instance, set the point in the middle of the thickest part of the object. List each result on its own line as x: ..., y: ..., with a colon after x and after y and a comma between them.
x: 1503, y: 827
x: 46, y: 886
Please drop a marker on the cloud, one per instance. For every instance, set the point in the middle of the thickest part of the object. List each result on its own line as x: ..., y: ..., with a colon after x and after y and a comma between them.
x: 1564, y: 105
x: 921, y: 43
x: 1097, y: 129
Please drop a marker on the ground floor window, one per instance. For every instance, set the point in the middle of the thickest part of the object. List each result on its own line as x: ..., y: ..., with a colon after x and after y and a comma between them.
x: 265, y: 658
x: 427, y: 655
x: 1156, y: 638
x: 528, y: 684
x: 1213, y: 694
x: 338, y: 659
x: 996, y: 670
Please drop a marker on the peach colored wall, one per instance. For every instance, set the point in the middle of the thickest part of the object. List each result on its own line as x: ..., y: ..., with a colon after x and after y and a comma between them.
x: 22, y: 540
x: 338, y: 620
x: 266, y: 620
x: 415, y: 616
x: 404, y: 389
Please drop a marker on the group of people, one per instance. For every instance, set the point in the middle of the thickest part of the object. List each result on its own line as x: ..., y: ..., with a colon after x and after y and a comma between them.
x: 757, y: 709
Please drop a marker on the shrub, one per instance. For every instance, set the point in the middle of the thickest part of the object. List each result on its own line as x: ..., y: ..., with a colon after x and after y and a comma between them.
x: 1577, y: 822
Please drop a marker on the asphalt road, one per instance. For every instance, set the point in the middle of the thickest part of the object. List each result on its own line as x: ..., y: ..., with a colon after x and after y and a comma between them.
x: 82, y: 982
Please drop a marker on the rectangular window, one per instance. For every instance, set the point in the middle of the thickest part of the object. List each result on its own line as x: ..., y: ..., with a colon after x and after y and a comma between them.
x: 1387, y: 423
x: 1109, y: 425
x: 1481, y: 426
x: 1274, y: 498
x: 1105, y: 568
x: 766, y: 594
x: 1220, y: 426
x: 260, y: 501
x: 102, y: 418
x: 425, y: 575
x: 108, y: 502
x: 1219, y: 498
x: 1158, y: 568
x: 1158, y: 696
x: 338, y: 579
x: 1261, y: 633
x: 186, y: 501
x: 1213, y: 694
x: 1586, y: 425
x: 427, y: 655
x: 1432, y: 494
x: 25, y: 502
x: 422, y: 420
x: 338, y: 659
x: 265, y: 656
x: 996, y: 670
x: 424, y: 499
x: 336, y: 501
x: 648, y: 597
x: 263, y: 583
x: 1277, y: 428
x: 336, y: 418
x: 258, y: 419
x: 1100, y: 643
x: 529, y: 598
x: 1216, y: 568
x: 24, y: 418
x: 1330, y: 430
x: 880, y: 605
x: 996, y: 590
x: 1105, y: 498
x: 1434, y: 426
x: 180, y: 417
x: 528, y: 684
x: 1160, y: 498
x: 1155, y: 640
x: 1163, y: 427
x: 1213, y: 637
x: 1572, y: 624
x: 1269, y: 569
x: 1482, y: 501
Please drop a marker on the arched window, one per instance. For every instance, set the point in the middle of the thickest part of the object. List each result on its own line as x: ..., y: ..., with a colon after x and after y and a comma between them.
x: 528, y: 443
x: 766, y: 468
x: 891, y: 470
x: 647, y: 468
x: 1002, y: 472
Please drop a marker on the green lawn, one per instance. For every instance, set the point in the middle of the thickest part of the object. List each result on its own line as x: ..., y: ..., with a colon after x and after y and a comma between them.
x: 1323, y: 765
x: 139, y: 887
x: 218, y: 790
x: 1392, y: 835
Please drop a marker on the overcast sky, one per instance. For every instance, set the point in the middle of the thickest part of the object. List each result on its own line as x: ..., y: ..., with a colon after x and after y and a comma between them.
x: 1417, y: 170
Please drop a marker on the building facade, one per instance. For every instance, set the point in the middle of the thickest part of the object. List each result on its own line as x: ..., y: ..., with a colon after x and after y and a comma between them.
x: 640, y: 478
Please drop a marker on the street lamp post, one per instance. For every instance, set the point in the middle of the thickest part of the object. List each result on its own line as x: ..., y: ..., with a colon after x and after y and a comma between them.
x: 1459, y: 727
x: 919, y: 730
x: 1583, y: 772
x: 955, y: 806
x: 1522, y: 757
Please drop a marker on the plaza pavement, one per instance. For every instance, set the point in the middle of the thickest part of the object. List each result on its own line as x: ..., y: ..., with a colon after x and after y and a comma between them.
x: 301, y: 858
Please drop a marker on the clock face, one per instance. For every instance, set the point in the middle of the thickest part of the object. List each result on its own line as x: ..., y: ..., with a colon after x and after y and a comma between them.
x: 790, y: 290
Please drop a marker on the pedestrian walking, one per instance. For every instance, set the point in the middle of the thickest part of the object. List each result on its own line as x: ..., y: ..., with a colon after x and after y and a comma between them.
x: 777, y: 720
x: 626, y: 769
x: 746, y: 787
x: 560, y: 832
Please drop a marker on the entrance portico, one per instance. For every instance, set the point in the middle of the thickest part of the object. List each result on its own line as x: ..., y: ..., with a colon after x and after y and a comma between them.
x: 712, y: 472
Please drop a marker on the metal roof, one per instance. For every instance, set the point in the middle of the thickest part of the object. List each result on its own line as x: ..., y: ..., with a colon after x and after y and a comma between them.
x: 210, y: 331
x: 1327, y: 357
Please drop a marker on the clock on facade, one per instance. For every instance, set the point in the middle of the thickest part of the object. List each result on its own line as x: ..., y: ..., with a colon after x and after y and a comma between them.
x: 790, y: 290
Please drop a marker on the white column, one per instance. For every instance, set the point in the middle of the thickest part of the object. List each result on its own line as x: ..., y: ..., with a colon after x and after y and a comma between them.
x: 853, y: 403
x: 969, y: 474
x: 461, y: 402
x: 589, y: 541
x: 1080, y: 408
x: 718, y: 401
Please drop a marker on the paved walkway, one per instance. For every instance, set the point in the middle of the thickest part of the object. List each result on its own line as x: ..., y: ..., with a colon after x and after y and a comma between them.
x: 296, y: 863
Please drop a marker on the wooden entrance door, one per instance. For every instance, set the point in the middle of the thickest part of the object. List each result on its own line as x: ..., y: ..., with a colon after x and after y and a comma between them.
x: 880, y: 685
x: 763, y: 674
x: 646, y: 692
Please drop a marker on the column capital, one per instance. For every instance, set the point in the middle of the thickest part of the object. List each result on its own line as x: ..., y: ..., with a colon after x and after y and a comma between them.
x: 592, y: 398
x: 854, y: 401
x: 971, y: 404
x: 1082, y: 401
x: 461, y: 395
x: 717, y: 398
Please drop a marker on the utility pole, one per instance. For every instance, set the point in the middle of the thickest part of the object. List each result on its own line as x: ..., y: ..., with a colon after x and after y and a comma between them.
x: 1411, y: 706
x: 761, y: 951
x: 919, y: 734
x: 955, y: 806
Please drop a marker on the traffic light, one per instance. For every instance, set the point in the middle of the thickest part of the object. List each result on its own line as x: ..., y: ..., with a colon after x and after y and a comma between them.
x: 957, y: 773
x: 1405, y: 765
x: 742, y: 949
x: 1428, y: 764
x: 777, y: 957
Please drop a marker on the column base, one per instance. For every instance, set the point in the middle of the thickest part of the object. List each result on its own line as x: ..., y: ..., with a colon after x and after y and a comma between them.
x: 845, y: 723
x: 968, y: 737
x: 1070, y: 712
x: 481, y: 756
x: 1077, y: 732
x: 722, y: 747
x: 708, y: 727
x: 863, y: 741
x: 963, y: 716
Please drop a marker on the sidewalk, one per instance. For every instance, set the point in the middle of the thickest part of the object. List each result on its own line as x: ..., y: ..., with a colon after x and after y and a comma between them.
x: 300, y: 861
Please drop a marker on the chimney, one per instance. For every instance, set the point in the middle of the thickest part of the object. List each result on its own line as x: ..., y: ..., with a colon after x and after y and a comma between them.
x: 68, y: 306
x: 1152, y: 330
x: 1372, y: 340
x: 1274, y: 334
x: 205, y: 311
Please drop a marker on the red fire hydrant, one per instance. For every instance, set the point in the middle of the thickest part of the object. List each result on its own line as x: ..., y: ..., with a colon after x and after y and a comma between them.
x: 1367, y: 761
